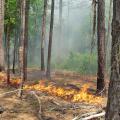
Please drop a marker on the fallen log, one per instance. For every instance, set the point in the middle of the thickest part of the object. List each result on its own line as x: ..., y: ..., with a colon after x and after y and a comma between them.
x: 90, y: 116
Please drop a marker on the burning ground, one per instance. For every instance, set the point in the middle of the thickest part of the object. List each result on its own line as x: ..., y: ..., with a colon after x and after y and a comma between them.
x: 63, y: 98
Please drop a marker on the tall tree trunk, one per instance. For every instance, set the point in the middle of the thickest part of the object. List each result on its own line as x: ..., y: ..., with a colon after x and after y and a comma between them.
x: 1, y: 34
x: 15, y: 51
x: 21, y: 49
x: 68, y: 28
x: 94, y: 5
x: 113, y: 104
x: 43, y: 35
x: 26, y: 38
x: 5, y: 43
x: 19, y: 5
x: 101, y: 46
x: 50, y: 40
x: 23, y: 42
x: 60, y: 21
x: 16, y: 39
x: 8, y: 54
x: 108, y: 36
x: 68, y: 21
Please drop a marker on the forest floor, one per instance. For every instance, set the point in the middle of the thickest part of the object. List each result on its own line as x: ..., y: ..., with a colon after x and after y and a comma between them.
x: 53, y: 108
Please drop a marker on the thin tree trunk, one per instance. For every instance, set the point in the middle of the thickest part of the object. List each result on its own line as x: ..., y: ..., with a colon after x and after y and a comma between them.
x: 19, y: 4
x: 1, y: 35
x: 68, y: 28
x: 17, y: 39
x: 94, y: 5
x: 113, y: 104
x: 60, y: 20
x: 5, y: 43
x: 15, y: 52
x: 43, y: 35
x: 50, y: 40
x: 68, y: 20
x: 8, y: 54
x: 101, y: 46
x: 21, y: 49
x: 108, y: 37
x: 26, y: 38
x: 23, y: 43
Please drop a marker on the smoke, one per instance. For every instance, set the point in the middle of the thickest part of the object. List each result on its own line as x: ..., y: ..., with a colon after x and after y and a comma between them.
x: 76, y: 28
x: 76, y: 31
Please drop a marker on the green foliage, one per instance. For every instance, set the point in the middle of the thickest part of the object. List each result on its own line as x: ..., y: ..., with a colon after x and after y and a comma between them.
x: 79, y: 62
x: 35, y: 16
x: 11, y: 11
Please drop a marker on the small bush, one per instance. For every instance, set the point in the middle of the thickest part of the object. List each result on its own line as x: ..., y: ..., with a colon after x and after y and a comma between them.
x: 83, y: 63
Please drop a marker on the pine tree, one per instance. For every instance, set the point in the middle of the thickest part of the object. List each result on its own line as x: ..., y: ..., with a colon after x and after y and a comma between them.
x: 1, y: 34
x: 43, y: 35
x: 113, y: 104
x: 50, y: 40
x: 101, y: 45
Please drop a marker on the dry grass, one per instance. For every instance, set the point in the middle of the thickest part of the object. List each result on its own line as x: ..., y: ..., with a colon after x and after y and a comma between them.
x: 53, y: 108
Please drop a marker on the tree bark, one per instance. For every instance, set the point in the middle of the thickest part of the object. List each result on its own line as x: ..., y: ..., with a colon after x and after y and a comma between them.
x: 21, y: 49
x: 50, y: 40
x: 43, y: 35
x: 60, y: 23
x: 1, y: 35
x: 15, y: 51
x: 68, y: 31
x: 108, y: 36
x: 5, y: 43
x: 113, y: 104
x: 8, y: 54
x: 23, y: 43
x: 101, y: 45
x: 26, y: 38
x: 94, y: 5
x: 16, y: 39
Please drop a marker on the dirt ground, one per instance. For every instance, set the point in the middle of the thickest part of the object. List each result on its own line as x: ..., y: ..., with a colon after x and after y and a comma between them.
x: 53, y: 108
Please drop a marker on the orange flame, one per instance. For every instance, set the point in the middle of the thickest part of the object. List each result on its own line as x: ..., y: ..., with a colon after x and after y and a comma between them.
x: 2, y: 77
x: 72, y: 95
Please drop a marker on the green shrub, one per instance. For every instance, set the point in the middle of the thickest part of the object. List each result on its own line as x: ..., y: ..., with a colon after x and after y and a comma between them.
x: 83, y: 63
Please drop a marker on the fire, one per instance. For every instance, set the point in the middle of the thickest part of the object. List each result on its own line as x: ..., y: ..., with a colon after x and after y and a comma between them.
x: 83, y: 95
x: 71, y: 95
x: 66, y: 94
x: 2, y: 77
x: 13, y: 81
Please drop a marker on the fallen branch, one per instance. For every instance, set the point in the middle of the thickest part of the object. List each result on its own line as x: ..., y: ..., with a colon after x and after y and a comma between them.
x: 56, y: 103
x: 91, y: 116
x: 94, y: 116
x: 72, y: 106
x: 40, y: 109
x: 82, y: 106
x: 5, y: 93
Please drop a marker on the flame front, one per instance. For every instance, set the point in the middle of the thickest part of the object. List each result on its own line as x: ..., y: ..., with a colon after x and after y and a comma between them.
x: 71, y: 94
